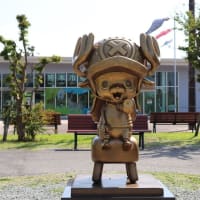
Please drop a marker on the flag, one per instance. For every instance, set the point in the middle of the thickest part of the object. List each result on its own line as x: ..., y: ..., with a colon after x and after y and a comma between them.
x: 167, y: 43
x: 163, y: 33
x: 156, y: 24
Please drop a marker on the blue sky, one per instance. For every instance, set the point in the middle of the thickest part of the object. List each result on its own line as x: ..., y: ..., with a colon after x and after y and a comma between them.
x: 57, y: 24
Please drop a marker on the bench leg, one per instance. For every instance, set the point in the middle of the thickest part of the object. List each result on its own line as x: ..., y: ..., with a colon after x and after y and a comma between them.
x: 131, y: 171
x: 75, y: 141
x: 141, y: 140
x: 197, y: 129
x: 194, y: 127
x: 97, y: 172
x: 56, y: 129
x: 154, y: 127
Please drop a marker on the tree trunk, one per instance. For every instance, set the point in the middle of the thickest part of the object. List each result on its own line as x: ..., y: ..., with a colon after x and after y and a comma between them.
x: 6, y: 126
x: 6, y: 121
x: 19, y: 121
x: 20, y: 130
x: 191, y: 89
x: 191, y: 72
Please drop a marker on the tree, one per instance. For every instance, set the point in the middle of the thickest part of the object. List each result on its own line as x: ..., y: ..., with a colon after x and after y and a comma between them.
x: 190, y: 24
x: 18, y: 64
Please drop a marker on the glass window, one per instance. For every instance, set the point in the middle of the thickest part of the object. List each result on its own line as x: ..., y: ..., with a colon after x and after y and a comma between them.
x: 71, y: 80
x: 83, y: 102
x: 61, y: 98
x: 170, y: 79
x: 5, y: 82
x: 160, y: 79
x: 164, y: 94
x: 6, y: 98
x: 39, y: 96
x: 171, y: 99
x: 50, y: 94
x: 61, y: 80
x: 177, y: 77
x: 149, y: 101
x: 176, y: 100
x: 161, y: 99
x: 50, y: 80
x: 72, y: 103
x: 29, y: 82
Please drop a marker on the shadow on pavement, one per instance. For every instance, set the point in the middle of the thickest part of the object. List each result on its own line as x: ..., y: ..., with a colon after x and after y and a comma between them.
x: 183, y: 153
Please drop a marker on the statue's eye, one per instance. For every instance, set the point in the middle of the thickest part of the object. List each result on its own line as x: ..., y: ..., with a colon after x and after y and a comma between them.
x: 128, y: 84
x: 104, y: 84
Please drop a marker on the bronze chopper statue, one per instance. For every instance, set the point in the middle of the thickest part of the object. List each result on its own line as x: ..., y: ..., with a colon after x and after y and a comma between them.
x: 115, y: 69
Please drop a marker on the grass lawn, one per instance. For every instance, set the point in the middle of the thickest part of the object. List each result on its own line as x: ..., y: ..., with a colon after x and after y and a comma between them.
x: 66, y: 141
x: 184, y: 181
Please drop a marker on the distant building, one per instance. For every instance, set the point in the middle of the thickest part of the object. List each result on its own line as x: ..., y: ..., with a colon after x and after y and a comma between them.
x: 60, y: 91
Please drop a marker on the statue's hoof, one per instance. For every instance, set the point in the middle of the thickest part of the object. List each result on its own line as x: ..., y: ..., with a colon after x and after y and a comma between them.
x: 106, y: 146
x: 127, y: 145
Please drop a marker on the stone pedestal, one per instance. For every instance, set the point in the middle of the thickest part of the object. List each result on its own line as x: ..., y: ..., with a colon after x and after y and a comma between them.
x: 115, y: 186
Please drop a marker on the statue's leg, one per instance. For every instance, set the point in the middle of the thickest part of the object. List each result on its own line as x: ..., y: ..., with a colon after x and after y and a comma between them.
x: 106, y: 142
x: 97, y: 172
x: 131, y: 171
x: 127, y: 145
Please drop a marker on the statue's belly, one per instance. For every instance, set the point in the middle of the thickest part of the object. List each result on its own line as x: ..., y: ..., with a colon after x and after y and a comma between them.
x: 117, y: 122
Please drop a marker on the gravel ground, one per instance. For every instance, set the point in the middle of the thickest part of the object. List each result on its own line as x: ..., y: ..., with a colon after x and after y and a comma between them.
x: 45, y: 192
x: 48, y: 192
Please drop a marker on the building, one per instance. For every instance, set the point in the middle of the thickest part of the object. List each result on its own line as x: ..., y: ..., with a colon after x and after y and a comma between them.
x: 60, y: 92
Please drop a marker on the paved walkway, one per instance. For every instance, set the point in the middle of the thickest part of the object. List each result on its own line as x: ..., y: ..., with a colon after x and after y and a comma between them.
x: 23, y: 162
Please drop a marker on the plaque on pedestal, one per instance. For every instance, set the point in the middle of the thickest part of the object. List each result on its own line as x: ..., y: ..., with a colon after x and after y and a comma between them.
x: 115, y: 186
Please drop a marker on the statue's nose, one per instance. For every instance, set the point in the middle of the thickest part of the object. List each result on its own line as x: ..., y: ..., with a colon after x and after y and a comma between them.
x: 117, y: 85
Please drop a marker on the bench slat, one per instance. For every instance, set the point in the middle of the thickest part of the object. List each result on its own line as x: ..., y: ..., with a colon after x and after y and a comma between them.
x: 174, y: 118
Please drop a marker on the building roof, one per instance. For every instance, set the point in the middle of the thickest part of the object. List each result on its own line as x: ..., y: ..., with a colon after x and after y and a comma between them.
x: 68, y: 60
x: 35, y: 59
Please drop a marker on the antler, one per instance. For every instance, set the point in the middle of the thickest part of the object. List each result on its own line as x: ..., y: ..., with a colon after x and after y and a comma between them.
x: 151, y: 51
x: 82, y: 50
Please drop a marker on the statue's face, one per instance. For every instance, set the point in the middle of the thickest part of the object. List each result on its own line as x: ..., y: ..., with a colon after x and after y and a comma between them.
x: 116, y: 86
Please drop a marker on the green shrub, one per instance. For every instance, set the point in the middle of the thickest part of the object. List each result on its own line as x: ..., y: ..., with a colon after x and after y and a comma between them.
x: 33, y: 120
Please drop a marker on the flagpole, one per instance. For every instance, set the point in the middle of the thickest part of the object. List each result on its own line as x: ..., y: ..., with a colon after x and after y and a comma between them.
x: 175, y: 103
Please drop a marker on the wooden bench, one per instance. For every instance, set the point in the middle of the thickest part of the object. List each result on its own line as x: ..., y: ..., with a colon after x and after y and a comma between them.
x: 52, y: 119
x: 82, y: 124
x: 190, y: 118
